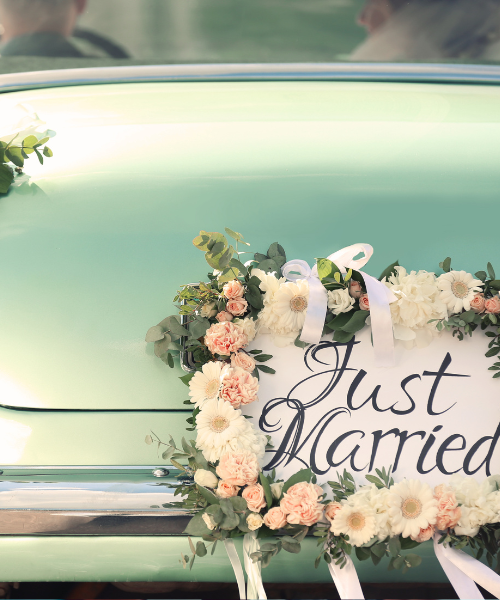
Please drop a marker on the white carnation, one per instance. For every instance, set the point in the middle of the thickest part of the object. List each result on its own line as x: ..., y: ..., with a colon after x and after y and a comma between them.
x: 418, y: 302
x: 378, y: 500
x: 480, y: 503
x: 249, y: 327
x: 340, y: 301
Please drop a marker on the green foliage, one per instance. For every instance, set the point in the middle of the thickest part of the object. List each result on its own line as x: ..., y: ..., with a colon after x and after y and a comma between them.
x: 273, y: 260
x: 17, y: 155
x: 6, y: 178
x: 302, y: 475
x: 390, y: 270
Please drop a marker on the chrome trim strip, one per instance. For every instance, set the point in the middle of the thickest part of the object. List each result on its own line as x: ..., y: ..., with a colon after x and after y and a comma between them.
x: 104, y: 523
x: 88, y: 502
x: 451, y: 73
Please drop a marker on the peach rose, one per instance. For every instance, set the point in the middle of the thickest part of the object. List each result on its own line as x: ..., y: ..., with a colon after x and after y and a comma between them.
x: 243, y: 361
x: 226, y: 490
x: 225, y: 338
x: 492, y: 305
x: 364, y: 303
x: 449, y: 512
x: 237, y: 307
x: 477, y: 303
x: 239, y: 387
x: 224, y: 316
x: 255, y: 497
x: 239, y: 468
x: 301, y: 504
x: 355, y: 289
x: 275, y: 518
x: 331, y: 509
x: 233, y: 289
x: 424, y: 534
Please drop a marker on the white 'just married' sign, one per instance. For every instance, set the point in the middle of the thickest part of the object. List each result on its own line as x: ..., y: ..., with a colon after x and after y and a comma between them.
x: 436, y: 413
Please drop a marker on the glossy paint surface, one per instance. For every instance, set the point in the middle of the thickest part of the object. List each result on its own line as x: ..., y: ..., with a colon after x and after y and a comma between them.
x: 95, y: 255
x: 157, y: 559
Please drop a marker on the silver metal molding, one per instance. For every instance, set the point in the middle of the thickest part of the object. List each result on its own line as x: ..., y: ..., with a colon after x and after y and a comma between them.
x: 88, y: 501
x: 451, y: 73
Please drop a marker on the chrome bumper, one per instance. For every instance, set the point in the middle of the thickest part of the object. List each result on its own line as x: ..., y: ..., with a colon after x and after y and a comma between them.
x: 103, y: 501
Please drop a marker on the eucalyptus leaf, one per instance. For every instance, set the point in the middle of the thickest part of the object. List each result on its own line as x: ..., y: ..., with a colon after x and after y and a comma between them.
x: 161, y: 346
x: 197, y: 526
x: 201, y: 549
x: 294, y: 548
x: 394, y: 546
x: 155, y: 334
x: 390, y: 270
x: 491, y: 271
x: 208, y: 495
x: 239, y: 503
x: 199, y: 327
x: 6, y: 178
x: 254, y: 297
x: 201, y: 241
x: 15, y: 155
x: 269, y: 265
x: 175, y: 327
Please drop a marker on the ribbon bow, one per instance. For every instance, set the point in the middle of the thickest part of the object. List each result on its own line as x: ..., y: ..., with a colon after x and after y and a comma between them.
x: 379, y: 295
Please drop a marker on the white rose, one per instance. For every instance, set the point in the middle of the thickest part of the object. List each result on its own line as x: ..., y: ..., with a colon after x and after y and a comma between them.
x: 209, y: 522
x: 205, y: 478
x: 340, y: 301
x: 276, y: 489
x: 254, y: 521
x: 208, y: 310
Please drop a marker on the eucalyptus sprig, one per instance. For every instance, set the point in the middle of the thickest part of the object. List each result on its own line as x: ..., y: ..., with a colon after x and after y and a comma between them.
x: 16, y: 155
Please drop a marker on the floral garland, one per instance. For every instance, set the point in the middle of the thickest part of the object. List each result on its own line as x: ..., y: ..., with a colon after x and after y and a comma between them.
x: 28, y: 136
x: 223, y: 484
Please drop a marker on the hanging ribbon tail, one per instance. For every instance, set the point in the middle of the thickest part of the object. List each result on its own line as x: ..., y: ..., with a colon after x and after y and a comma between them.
x: 383, y: 336
x: 255, y: 587
x: 314, y: 322
x: 237, y: 568
x: 346, y: 580
x: 463, y: 570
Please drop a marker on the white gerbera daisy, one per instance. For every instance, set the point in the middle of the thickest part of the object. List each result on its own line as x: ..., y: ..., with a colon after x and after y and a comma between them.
x: 221, y: 428
x: 205, y: 384
x: 290, y: 305
x: 356, y: 519
x: 412, y: 507
x: 458, y: 289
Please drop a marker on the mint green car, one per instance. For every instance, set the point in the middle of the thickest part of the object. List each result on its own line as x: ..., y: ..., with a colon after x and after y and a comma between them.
x: 316, y: 156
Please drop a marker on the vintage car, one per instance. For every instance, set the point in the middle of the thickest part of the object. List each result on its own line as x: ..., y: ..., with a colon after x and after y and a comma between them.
x: 93, y: 249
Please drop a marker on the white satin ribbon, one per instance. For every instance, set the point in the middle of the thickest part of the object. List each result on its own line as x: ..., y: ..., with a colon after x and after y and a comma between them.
x: 379, y: 296
x: 237, y: 568
x: 346, y: 580
x: 254, y: 588
x: 463, y: 570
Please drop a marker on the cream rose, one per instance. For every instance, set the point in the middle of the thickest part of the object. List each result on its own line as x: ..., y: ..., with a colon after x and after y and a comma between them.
x: 276, y: 489
x: 225, y: 338
x: 355, y: 289
x: 339, y: 301
x: 239, y: 387
x: 364, y: 302
x: 239, y: 468
x: 243, y: 361
x: 205, y: 478
x: 237, y: 307
x: 424, y: 534
x: 492, y: 305
x: 275, y: 518
x: 254, y: 521
x: 477, y: 303
x: 224, y: 316
x: 255, y: 497
x: 226, y: 490
x: 233, y: 289
x: 209, y: 522
x: 208, y: 310
x: 331, y: 509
